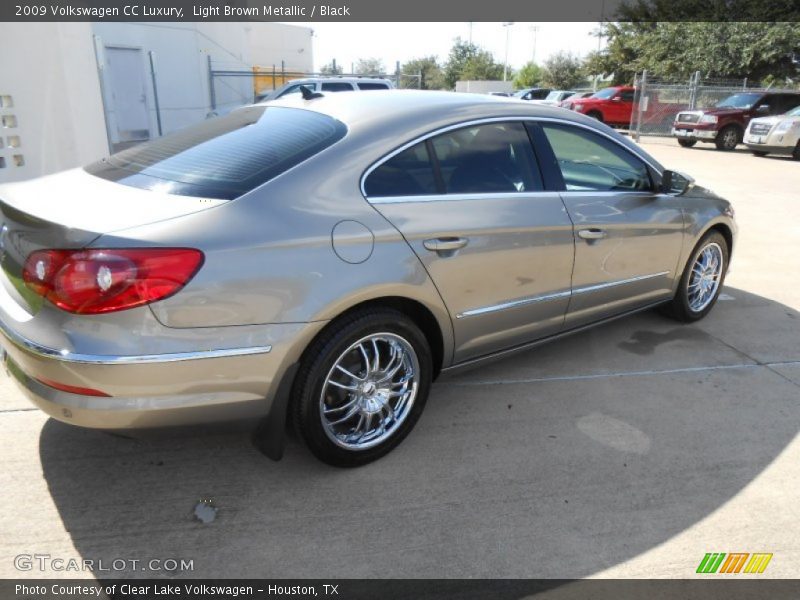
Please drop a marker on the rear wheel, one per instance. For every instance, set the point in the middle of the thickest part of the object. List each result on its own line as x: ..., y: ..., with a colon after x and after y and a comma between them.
x: 687, y: 143
x: 702, y: 280
x: 728, y: 138
x: 362, y: 386
x: 796, y: 153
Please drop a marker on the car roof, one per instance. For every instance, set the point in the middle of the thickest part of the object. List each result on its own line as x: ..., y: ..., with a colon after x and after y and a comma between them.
x: 336, y: 78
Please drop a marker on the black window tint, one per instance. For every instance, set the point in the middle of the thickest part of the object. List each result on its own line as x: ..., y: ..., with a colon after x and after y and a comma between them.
x: 373, y: 86
x: 490, y: 158
x: 589, y: 161
x: 224, y: 157
x: 627, y: 96
x: 409, y: 173
x: 338, y: 86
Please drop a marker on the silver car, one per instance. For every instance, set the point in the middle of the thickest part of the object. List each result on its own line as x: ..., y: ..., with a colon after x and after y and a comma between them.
x: 324, y: 259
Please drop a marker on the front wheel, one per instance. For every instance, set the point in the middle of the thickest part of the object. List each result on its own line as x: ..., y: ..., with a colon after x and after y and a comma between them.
x: 687, y: 143
x: 728, y: 138
x: 796, y: 153
x: 361, y: 387
x: 702, y: 279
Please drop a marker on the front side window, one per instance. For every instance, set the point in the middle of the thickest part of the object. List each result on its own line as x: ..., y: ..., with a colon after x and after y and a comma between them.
x: 295, y: 89
x: 224, y: 157
x: 743, y: 101
x: 591, y: 162
x: 372, y: 86
x: 490, y: 158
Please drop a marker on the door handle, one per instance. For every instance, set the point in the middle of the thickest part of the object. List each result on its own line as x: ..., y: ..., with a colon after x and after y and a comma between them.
x: 592, y: 234
x: 445, y: 244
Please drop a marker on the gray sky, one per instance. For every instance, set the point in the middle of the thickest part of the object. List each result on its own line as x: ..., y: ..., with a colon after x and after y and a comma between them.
x: 347, y: 42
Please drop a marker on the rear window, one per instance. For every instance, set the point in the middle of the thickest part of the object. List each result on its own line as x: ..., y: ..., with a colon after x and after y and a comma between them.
x: 224, y: 157
x: 337, y: 87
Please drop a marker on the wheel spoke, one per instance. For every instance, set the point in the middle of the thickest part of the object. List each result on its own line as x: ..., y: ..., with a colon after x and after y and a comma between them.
x: 376, y: 365
x: 366, y: 358
x: 349, y: 374
x: 335, y: 409
x: 350, y: 414
x: 349, y: 388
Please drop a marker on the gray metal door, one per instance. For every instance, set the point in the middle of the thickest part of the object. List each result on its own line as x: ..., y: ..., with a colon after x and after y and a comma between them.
x: 628, y: 237
x: 127, y: 85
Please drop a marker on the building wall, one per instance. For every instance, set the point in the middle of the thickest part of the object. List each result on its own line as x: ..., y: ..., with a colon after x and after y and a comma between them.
x: 49, y: 72
x: 60, y: 82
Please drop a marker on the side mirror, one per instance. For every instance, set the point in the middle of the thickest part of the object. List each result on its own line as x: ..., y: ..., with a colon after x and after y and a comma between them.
x: 675, y: 183
x: 617, y: 99
x: 763, y: 109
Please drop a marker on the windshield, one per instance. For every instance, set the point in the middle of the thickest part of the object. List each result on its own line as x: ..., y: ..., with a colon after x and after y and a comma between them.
x: 520, y: 93
x: 739, y: 101
x: 224, y: 157
x: 606, y: 93
x: 554, y: 95
x: 795, y: 112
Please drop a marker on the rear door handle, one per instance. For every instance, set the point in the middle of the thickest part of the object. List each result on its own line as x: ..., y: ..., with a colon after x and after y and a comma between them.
x: 592, y: 234
x: 445, y: 244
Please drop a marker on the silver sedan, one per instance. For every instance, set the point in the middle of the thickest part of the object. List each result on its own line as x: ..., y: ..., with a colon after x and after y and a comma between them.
x: 323, y: 258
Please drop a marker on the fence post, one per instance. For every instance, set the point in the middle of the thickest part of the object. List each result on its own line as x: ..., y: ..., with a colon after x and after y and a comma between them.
x: 639, y: 106
x: 695, y: 84
x: 744, y: 85
x: 273, y: 76
x: 211, y: 91
x: 151, y: 54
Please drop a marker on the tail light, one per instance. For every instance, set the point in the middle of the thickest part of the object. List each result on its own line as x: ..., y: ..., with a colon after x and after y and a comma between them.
x: 97, y: 281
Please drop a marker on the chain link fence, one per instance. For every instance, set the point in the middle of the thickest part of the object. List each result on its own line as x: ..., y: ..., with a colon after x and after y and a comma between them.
x: 656, y: 102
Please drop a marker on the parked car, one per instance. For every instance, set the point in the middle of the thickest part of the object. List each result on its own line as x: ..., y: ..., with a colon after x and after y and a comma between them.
x: 569, y: 101
x: 775, y: 135
x: 612, y: 105
x: 327, y: 84
x: 724, y: 125
x: 535, y: 93
x: 555, y: 97
x: 327, y: 258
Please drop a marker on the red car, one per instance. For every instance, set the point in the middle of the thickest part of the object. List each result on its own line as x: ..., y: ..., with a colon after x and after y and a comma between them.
x: 614, y: 106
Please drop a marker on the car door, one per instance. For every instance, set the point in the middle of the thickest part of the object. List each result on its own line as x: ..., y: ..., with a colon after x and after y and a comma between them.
x: 628, y: 236
x: 499, y: 248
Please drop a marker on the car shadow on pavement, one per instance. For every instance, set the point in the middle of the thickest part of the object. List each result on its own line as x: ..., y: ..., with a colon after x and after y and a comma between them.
x: 561, y: 461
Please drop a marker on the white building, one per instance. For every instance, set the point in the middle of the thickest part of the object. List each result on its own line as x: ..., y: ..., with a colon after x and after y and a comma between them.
x: 71, y: 93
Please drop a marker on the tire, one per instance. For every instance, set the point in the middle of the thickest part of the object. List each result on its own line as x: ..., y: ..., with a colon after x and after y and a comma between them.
x: 728, y: 138
x: 687, y: 143
x: 759, y: 153
x: 344, y: 354
x: 796, y: 153
x: 685, y: 306
x: 595, y: 115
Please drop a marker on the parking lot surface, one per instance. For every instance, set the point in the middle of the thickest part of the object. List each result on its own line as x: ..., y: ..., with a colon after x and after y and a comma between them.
x: 630, y: 450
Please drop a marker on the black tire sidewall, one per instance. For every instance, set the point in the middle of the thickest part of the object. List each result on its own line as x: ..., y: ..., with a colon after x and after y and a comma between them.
x: 719, y: 141
x: 317, y: 363
x: 681, y: 300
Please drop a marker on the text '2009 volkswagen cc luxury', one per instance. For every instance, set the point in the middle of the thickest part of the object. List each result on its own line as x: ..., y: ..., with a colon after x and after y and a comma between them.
x: 324, y: 258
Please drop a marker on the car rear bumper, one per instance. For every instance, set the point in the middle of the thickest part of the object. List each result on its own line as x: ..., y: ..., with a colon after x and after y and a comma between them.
x: 770, y: 149
x: 229, y: 382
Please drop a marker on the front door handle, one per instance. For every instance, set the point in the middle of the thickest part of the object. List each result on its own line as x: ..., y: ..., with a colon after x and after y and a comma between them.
x: 592, y: 234
x: 445, y: 244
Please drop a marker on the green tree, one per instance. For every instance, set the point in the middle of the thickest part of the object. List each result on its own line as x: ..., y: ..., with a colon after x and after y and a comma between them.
x: 756, y: 50
x: 369, y: 66
x: 483, y: 67
x: 563, y: 71
x: 431, y: 78
x: 529, y: 75
x: 460, y: 54
x: 331, y: 69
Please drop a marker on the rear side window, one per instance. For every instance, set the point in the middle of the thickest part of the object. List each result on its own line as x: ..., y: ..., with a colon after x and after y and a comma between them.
x: 337, y: 86
x: 409, y: 173
x: 491, y: 158
x: 372, y: 86
x: 224, y: 157
x: 591, y: 162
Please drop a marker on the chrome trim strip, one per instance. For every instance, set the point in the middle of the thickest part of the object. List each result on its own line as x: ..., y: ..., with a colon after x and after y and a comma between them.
x: 111, y: 359
x: 461, y: 197
x: 507, y: 119
x: 533, y: 299
x: 512, y: 304
x: 610, y: 284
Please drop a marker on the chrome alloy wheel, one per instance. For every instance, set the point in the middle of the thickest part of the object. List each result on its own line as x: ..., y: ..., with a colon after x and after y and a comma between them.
x: 705, y: 277
x: 369, y: 391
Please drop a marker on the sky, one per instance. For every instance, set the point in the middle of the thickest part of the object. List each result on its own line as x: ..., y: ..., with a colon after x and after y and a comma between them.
x: 390, y: 42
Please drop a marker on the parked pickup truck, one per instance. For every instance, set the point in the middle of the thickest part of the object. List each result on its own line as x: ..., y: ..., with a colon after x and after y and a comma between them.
x: 724, y: 125
x: 614, y: 106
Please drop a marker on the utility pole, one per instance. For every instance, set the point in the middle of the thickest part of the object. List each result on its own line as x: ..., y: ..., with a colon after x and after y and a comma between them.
x: 534, y: 29
x: 470, y: 33
x: 507, y: 25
